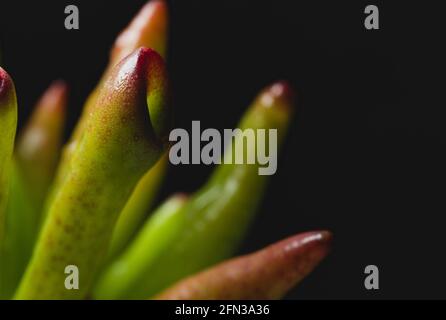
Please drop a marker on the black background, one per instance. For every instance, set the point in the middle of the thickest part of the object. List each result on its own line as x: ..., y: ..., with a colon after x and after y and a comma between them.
x: 364, y: 157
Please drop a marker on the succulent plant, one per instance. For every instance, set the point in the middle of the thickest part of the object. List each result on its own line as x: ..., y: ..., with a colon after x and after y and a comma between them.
x: 86, y: 204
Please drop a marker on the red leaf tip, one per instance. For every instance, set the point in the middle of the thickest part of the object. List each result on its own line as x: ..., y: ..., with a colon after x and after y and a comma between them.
x: 140, y: 63
x: 282, y: 89
x: 54, y: 98
x: 278, y: 94
x: 320, y: 237
x: 5, y: 83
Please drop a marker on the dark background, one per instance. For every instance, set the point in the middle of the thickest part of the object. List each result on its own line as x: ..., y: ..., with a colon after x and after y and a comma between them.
x: 364, y: 157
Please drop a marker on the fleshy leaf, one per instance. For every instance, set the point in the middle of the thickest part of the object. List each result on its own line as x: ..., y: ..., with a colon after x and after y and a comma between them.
x: 118, y: 146
x: 267, y: 274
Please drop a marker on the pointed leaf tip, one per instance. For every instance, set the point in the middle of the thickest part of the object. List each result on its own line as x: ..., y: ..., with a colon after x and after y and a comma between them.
x: 142, y: 76
x: 278, y: 95
x: 320, y: 240
x: 55, y: 96
x: 266, y: 274
x: 6, y: 84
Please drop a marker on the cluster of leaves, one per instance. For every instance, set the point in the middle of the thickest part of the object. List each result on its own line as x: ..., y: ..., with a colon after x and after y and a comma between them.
x: 87, y: 204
